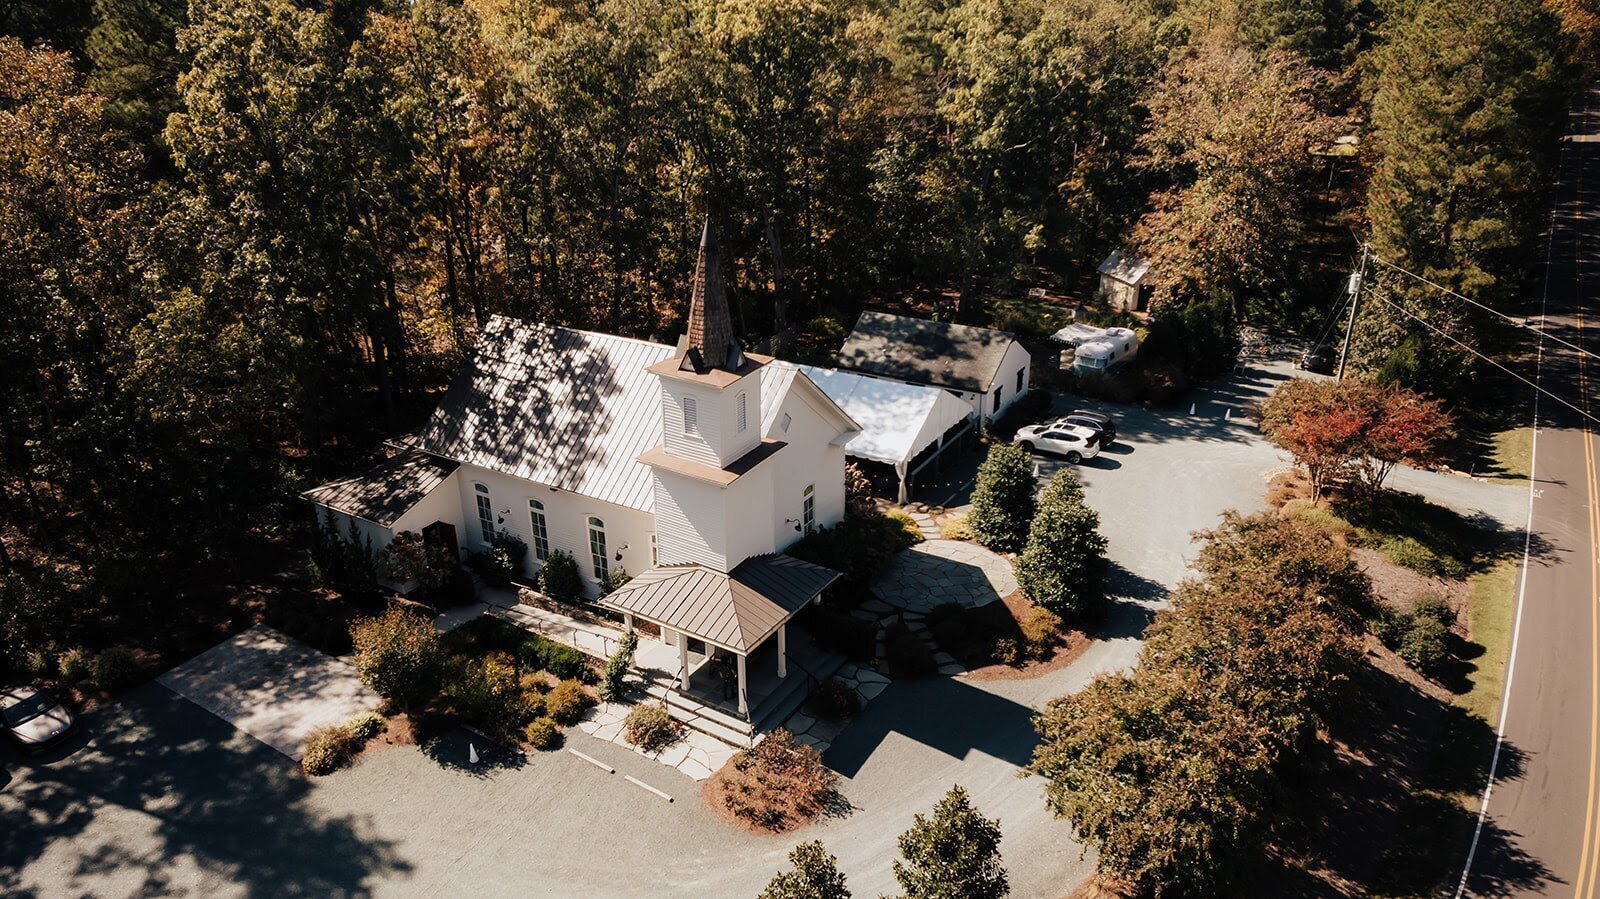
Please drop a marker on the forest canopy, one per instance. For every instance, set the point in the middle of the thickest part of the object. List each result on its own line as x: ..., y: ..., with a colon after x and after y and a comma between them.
x: 241, y: 241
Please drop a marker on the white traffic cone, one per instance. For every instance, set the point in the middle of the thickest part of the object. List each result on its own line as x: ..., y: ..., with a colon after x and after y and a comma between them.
x: 1227, y: 414
x: 472, y: 754
x: 1192, y: 407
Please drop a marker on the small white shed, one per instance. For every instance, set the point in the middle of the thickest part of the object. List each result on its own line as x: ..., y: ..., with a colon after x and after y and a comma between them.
x: 1122, y: 280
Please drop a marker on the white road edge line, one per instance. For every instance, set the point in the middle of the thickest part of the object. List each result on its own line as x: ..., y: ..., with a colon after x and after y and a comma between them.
x: 641, y: 784
x: 594, y: 761
x: 1527, y: 551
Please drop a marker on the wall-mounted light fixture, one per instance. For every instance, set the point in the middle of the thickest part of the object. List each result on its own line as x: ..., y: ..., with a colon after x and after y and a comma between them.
x: 619, y: 551
x: 795, y: 522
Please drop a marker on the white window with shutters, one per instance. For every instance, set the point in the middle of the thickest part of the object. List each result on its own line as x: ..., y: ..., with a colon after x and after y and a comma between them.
x: 691, y: 416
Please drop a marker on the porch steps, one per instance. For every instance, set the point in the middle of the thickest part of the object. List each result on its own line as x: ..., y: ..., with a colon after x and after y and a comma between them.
x: 706, y: 719
x: 777, y: 708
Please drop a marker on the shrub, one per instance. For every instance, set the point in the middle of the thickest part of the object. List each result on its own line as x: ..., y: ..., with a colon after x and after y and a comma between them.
x: 559, y: 578
x: 409, y: 557
x: 116, y: 669
x: 615, y: 581
x: 650, y: 727
x: 1423, y: 644
x: 563, y: 661
x: 541, y: 733
x: 617, y: 668
x: 457, y: 590
x: 1003, y: 499
x: 330, y: 748
x: 568, y: 701
x: 858, y: 547
x: 502, y: 561
x: 815, y: 875
x: 40, y: 664
x: 398, y: 656
x: 1409, y: 552
x: 955, y: 527
x: 836, y: 700
x: 74, y: 665
x: 907, y: 524
x: 858, y: 501
x: 909, y: 655
x: 1041, y: 628
x: 366, y: 726
x: 1064, y: 566
x: 953, y: 852
x: 776, y: 786
x: 1432, y: 605
x: 841, y: 632
x: 1320, y: 516
x: 489, y: 693
x: 1007, y: 651
x: 327, y: 750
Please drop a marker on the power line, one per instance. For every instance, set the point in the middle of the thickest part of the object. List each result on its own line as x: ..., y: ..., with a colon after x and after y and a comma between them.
x: 1440, y: 331
x: 1495, y: 312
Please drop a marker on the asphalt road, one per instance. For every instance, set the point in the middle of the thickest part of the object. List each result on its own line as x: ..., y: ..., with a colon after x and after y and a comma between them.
x: 1541, y: 822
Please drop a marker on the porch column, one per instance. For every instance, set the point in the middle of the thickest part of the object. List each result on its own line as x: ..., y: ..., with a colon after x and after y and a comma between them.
x: 627, y: 622
x: 683, y: 662
x: 744, y: 704
x: 783, y: 649
x: 900, y: 472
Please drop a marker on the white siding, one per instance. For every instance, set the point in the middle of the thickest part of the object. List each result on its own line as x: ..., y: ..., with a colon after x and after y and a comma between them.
x: 1016, y: 359
x: 698, y: 445
x: 443, y: 503
x: 810, y: 458
x: 690, y: 525
x: 566, y: 517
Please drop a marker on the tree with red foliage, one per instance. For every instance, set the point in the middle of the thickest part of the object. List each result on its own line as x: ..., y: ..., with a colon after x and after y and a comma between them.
x: 1357, y: 427
x: 1308, y: 419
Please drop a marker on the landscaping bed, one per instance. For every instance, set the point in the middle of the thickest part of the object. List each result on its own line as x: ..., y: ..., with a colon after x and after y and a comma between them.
x: 1006, y: 640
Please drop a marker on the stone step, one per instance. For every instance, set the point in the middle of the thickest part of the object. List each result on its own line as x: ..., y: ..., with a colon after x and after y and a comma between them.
x: 706, y: 719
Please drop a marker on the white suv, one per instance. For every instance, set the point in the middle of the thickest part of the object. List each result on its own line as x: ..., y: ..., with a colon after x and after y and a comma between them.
x: 1059, y: 437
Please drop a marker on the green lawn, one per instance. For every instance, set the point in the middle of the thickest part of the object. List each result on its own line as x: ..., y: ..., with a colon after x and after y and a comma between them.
x: 1491, y: 611
x: 1512, y: 452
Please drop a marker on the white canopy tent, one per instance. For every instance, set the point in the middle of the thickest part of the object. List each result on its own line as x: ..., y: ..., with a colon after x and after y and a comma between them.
x: 899, y: 421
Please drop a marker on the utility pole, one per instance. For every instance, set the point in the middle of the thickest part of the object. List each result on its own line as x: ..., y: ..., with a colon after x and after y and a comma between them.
x: 1356, y: 277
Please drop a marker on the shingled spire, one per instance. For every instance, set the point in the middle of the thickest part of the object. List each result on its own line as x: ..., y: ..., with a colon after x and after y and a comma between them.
x: 709, y: 342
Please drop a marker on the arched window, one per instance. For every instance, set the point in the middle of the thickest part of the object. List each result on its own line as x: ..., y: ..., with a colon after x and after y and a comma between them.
x: 485, y: 512
x: 597, y: 549
x: 808, y: 511
x: 539, y: 529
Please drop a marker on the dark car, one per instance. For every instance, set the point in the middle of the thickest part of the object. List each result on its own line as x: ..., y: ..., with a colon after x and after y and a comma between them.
x: 1319, y: 360
x: 1094, y: 421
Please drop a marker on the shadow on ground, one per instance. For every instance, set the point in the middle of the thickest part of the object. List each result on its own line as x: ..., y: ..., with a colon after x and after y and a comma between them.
x: 947, y: 714
x: 207, y: 799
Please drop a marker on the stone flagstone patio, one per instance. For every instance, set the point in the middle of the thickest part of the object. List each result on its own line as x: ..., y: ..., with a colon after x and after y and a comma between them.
x: 936, y: 572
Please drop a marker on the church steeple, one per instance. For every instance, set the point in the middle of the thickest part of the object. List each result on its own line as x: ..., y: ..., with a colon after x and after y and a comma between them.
x: 709, y: 342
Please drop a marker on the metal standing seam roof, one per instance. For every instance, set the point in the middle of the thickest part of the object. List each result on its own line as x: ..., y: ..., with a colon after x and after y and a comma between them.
x: 566, y: 408
x: 737, y: 611
x: 893, y: 415
x: 386, y: 491
x: 1127, y: 269
x: 962, y: 357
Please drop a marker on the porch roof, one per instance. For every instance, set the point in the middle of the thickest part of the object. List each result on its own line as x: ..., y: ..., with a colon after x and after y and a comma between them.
x: 736, y: 611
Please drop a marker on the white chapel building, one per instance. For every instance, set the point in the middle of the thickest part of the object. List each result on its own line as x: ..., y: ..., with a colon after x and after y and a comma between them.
x: 691, y: 467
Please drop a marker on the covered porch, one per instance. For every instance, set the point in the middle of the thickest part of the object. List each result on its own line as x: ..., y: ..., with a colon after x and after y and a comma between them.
x: 727, y: 635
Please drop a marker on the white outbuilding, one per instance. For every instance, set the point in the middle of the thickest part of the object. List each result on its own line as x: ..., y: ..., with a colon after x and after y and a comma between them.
x: 986, y: 368
x: 1123, y: 281
x: 904, y: 426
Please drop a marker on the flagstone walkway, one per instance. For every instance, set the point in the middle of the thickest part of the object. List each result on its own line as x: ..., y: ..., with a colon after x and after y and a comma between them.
x: 936, y: 572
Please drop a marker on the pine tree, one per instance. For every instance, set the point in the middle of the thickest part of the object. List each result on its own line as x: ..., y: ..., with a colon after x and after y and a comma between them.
x: 952, y: 854
x: 1003, y: 500
x: 1467, y: 100
x: 815, y: 875
x: 1064, y: 565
